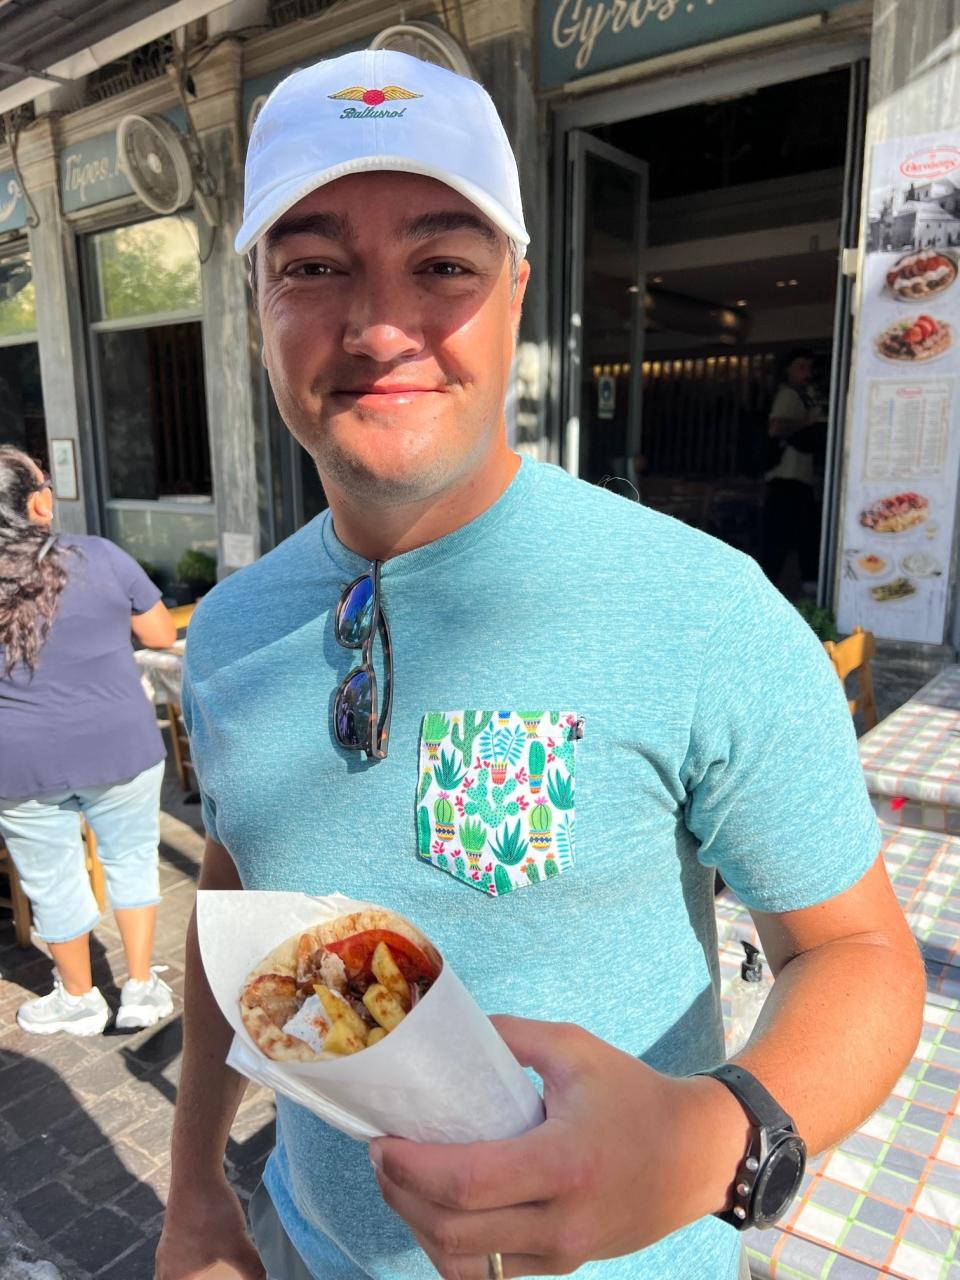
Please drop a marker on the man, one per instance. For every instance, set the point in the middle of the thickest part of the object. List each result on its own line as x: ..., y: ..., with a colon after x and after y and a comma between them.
x: 798, y: 431
x: 714, y: 735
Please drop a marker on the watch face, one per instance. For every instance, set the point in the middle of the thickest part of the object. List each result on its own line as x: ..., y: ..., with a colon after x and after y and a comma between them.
x: 779, y: 1181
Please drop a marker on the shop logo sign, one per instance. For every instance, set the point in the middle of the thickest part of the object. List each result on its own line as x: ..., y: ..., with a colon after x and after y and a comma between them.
x: 936, y: 162
x: 576, y: 23
x: 577, y: 37
x: 7, y: 206
x: 90, y: 173
x: 81, y: 175
x: 372, y: 99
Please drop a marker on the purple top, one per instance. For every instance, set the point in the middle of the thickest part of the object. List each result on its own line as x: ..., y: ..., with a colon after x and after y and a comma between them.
x: 81, y: 719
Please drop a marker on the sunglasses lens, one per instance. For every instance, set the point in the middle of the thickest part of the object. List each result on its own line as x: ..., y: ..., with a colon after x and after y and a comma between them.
x: 351, y: 714
x: 355, y: 613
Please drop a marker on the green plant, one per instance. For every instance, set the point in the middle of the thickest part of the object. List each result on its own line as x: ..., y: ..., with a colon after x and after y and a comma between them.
x: 443, y: 811
x: 435, y: 726
x: 448, y: 776
x: 560, y: 791
x: 474, y: 722
x: 149, y: 569
x: 537, y: 758
x: 501, y: 880
x: 423, y: 831
x: 820, y: 620
x: 491, y: 803
x: 473, y: 836
x: 197, y: 568
x: 511, y: 849
x: 541, y: 818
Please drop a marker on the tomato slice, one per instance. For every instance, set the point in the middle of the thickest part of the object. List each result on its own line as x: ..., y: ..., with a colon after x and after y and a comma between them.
x: 356, y: 952
x: 927, y: 324
x: 914, y: 335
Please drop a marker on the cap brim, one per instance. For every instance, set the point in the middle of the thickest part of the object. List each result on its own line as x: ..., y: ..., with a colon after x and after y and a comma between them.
x: 266, y: 212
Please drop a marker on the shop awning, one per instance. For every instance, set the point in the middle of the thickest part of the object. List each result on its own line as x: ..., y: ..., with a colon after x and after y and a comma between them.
x: 48, y: 42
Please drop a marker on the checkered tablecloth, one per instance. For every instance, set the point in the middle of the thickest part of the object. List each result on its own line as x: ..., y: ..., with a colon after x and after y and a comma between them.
x: 161, y: 672
x: 886, y: 1202
x: 911, y: 760
x: 924, y: 869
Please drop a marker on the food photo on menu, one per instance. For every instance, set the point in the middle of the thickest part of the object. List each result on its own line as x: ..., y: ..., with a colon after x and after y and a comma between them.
x: 921, y: 274
x: 913, y: 339
x: 898, y: 570
x: 895, y: 513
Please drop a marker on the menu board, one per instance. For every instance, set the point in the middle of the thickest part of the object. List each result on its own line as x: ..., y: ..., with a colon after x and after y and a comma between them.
x: 904, y: 462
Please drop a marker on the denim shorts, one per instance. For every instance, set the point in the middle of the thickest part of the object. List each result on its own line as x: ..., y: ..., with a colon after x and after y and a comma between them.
x: 43, y: 836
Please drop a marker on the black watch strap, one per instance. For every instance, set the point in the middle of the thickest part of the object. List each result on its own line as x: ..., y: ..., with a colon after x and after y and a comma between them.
x: 774, y: 1139
x: 761, y: 1106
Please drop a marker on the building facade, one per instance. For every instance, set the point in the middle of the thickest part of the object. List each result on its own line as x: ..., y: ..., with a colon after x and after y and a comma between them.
x: 696, y: 177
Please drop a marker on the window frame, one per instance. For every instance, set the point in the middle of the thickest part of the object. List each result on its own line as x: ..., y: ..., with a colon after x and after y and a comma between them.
x: 90, y: 295
x: 16, y: 249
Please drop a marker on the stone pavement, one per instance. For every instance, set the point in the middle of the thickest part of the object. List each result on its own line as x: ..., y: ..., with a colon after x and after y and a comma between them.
x: 85, y: 1122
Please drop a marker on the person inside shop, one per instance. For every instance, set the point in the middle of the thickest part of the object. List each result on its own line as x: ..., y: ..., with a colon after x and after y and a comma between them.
x: 389, y: 272
x: 78, y: 739
x: 797, y: 433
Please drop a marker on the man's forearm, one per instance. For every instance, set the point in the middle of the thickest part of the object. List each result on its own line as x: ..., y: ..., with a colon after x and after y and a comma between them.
x: 209, y: 1092
x: 836, y: 1031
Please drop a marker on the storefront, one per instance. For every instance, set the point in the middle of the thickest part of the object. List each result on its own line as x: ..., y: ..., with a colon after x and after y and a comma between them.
x: 22, y: 420
x: 703, y: 221
x: 141, y: 305
x: 693, y: 178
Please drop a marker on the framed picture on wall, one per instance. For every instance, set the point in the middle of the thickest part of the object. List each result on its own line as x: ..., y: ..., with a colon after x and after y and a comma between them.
x: 63, y: 470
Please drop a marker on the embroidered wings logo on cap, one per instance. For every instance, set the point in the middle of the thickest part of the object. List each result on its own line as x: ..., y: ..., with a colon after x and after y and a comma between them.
x: 374, y: 97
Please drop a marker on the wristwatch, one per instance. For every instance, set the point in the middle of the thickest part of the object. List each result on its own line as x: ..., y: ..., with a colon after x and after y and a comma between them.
x: 770, y: 1174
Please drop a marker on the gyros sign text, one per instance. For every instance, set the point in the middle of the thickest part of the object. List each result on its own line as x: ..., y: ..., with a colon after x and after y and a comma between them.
x: 577, y: 37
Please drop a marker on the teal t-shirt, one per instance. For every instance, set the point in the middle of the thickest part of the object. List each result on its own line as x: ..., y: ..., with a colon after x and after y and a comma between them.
x: 715, y: 736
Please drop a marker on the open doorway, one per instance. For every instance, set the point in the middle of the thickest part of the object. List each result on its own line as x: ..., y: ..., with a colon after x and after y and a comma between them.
x: 703, y: 302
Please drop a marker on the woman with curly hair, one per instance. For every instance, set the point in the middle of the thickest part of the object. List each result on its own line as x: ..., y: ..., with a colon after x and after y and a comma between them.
x: 78, y: 737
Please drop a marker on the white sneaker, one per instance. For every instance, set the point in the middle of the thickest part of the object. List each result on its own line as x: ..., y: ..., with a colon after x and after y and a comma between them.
x: 85, y: 1015
x: 144, y: 1003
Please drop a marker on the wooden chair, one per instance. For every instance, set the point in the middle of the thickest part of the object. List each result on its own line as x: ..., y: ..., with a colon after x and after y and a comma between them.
x: 181, y: 615
x: 180, y: 746
x: 98, y: 881
x: 19, y: 903
x: 15, y: 898
x: 853, y: 655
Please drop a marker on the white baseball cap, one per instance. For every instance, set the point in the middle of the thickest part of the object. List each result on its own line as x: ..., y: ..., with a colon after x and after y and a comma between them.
x: 376, y: 110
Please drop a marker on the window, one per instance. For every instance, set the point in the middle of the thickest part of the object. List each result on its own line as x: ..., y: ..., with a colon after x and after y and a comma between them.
x: 21, y: 398
x: 148, y: 353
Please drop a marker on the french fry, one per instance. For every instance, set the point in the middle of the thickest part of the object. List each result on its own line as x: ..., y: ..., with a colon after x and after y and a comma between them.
x: 386, y: 972
x: 383, y: 1006
x: 375, y: 1035
x: 338, y: 1011
x: 341, y: 1039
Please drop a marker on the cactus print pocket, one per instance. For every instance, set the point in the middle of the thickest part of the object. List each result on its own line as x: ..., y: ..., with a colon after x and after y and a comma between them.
x: 495, y: 795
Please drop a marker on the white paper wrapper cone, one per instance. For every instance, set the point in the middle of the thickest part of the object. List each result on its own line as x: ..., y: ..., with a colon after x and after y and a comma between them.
x: 442, y: 1075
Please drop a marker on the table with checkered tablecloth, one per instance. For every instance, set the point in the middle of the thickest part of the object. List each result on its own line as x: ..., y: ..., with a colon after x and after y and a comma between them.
x: 886, y: 1201
x: 911, y: 760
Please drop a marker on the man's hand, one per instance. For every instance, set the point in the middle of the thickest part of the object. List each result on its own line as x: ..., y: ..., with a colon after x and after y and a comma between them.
x: 205, y: 1238
x: 624, y: 1157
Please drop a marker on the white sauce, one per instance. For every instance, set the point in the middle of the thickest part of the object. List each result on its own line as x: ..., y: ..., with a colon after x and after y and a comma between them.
x: 309, y: 1024
x: 920, y: 563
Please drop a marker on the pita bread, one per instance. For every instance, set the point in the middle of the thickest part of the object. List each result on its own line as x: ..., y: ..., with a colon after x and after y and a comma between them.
x: 268, y: 1002
x: 277, y: 987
